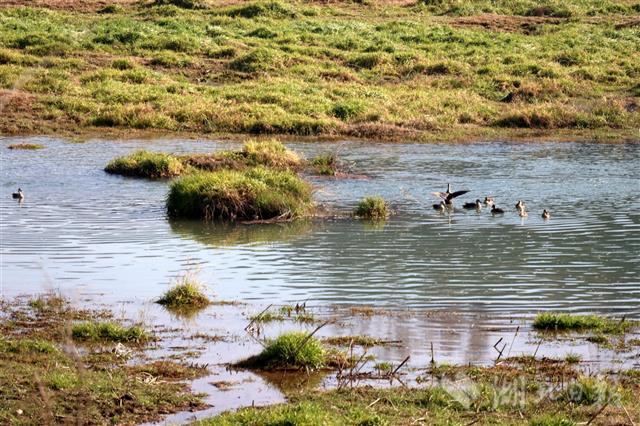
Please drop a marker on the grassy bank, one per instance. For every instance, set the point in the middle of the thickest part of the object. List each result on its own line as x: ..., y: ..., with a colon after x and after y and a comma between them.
x: 526, y: 394
x: 383, y: 70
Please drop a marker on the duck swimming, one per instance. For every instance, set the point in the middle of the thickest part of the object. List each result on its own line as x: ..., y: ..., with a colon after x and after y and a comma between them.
x: 477, y: 205
x: 520, y: 205
x: 496, y: 210
x: 546, y: 214
x: 18, y: 195
x: 488, y: 201
x: 448, y: 196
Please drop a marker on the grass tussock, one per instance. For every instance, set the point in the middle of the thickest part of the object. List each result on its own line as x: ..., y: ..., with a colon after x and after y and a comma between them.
x: 268, y: 153
x: 325, y: 164
x: 26, y: 146
x: 255, y: 194
x: 147, y: 164
x: 185, y: 294
x: 291, y: 350
x: 371, y: 208
x: 108, y: 332
x: 549, y: 321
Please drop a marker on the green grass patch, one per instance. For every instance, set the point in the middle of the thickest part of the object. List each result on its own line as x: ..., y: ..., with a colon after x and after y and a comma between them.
x: 291, y: 350
x: 26, y: 146
x: 268, y: 153
x: 147, y: 164
x: 108, y: 332
x: 185, y: 294
x: 325, y: 164
x: 371, y: 208
x: 357, y: 340
x: 375, y: 70
x: 257, y: 193
x: 549, y: 321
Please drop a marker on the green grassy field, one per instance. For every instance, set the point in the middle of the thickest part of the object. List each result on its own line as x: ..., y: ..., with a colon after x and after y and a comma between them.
x: 429, y: 70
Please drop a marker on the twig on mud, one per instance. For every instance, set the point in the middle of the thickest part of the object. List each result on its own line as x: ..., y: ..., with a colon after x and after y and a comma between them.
x: 400, y: 366
x: 597, y: 414
x: 628, y: 415
x: 513, y: 341
x: 306, y: 339
x: 257, y: 317
x: 373, y: 403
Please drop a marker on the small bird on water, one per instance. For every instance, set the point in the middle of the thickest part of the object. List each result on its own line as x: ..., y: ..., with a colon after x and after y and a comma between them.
x: 496, y: 210
x: 520, y: 205
x: 448, y: 196
x: 18, y: 195
x: 477, y: 205
x: 546, y: 214
x: 488, y: 201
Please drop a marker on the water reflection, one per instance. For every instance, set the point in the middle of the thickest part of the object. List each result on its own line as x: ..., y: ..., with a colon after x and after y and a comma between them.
x: 230, y: 234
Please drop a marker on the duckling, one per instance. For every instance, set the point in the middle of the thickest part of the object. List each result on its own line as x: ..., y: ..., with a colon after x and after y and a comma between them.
x: 545, y: 214
x: 477, y: 205
x: 18, y: 195
x: 440, y: 207
x: 520, y: 205
x: 448, y: 196
x: 496, y: 210
x: 488, y: 201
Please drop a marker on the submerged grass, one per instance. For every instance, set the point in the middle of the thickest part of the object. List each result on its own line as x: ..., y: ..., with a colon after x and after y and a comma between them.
x: 254, y: 194
x: 147, y: 164
x: 549, y: 321
x: 371, y: 208
x: 108, y: 332
x: 291, y: 350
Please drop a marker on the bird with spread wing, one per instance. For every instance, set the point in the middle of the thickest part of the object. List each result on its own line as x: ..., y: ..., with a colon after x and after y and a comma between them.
x: 448, y: 196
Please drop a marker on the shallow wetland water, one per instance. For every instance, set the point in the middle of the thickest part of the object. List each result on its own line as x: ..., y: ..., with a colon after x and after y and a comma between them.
x: 459, y: 281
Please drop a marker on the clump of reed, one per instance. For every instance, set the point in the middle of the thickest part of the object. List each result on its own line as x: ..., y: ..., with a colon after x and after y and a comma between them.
x: 291, y: 350
x: 371, y: 208
x: 186, y: 294
x: 255, y: 194
x: 147, y: 164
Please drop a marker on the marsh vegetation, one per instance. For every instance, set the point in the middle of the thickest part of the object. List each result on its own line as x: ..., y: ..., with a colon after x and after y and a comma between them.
x: 383, y: 70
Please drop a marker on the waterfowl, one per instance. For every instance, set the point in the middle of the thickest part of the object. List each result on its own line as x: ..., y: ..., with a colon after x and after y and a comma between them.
x: 545, y: 214
x: 448, y: 196
x: 488, y: 201
x: 520, y: 205
x: 477, y: 205
x: 522, y: 213
x: 440, y: 207
x: 18, y: 195
x: 496, y: 210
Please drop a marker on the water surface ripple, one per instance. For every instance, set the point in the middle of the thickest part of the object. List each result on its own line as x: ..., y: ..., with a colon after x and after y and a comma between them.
x: 82, y: 230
